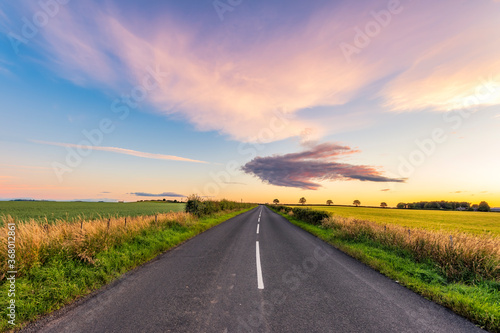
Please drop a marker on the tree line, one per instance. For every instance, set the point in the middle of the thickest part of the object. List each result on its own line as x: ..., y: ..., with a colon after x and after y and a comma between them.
x: 450, y: 205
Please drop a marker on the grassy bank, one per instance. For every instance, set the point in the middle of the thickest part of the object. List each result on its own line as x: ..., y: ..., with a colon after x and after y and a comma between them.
x: 463, y: 277
x: 72, y: 260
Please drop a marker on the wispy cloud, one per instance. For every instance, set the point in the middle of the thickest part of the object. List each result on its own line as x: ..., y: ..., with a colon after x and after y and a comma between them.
x: 233, y: 87
x: 385, y: 189
x: 164, y: 194
x: 304, y: 169
x: 121, y: 151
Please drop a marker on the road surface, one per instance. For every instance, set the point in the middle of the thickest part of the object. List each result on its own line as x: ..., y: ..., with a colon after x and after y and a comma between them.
x: 254, y: 273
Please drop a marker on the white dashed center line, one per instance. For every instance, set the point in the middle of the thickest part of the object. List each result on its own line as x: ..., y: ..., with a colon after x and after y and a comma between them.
x: 260, y: 282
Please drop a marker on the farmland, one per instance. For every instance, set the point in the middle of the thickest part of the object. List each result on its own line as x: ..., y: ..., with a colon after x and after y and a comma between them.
x: 71, y: 211
x: 471, y: 222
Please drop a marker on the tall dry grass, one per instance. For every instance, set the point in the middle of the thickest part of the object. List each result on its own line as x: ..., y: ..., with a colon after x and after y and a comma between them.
x: 83, y: 239
x: 461, y: 256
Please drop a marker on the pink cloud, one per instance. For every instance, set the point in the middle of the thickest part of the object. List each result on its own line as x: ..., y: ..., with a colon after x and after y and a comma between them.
x: 233, y: 91
x: 234, y: 85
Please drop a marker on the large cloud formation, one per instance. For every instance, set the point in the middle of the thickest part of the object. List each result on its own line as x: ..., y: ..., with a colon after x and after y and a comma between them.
x: 318, y: 163
x: 232, y: 77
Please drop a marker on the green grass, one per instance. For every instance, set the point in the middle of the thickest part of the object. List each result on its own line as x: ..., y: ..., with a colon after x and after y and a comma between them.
x: 71, y: 211
x: 478, y: 302
x: 61, y: 281
x: 470, y: 222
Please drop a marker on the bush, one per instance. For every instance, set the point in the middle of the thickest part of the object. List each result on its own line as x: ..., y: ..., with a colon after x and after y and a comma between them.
x: 199, y: 207
x: 308, y: 215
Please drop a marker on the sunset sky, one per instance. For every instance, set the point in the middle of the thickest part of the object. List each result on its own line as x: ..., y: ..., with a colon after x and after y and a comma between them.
x: 251, y: 100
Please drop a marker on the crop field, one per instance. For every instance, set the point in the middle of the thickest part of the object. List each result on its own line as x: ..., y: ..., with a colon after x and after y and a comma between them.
x: 71, y: 211
x: 471, y: 222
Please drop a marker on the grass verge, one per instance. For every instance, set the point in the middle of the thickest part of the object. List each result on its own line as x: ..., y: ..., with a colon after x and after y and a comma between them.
x: 59, y: 281
x: 479, y: 302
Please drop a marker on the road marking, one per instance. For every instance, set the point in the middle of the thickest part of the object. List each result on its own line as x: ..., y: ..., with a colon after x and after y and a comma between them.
x: 258, y: 220
x: 258, y: 228
x: 260, y: 282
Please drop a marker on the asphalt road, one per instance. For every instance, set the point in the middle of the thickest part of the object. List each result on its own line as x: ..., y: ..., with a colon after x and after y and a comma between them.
x: 222, y: 281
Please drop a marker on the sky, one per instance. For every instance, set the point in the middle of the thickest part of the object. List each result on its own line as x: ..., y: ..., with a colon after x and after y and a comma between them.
x: 394, y: 101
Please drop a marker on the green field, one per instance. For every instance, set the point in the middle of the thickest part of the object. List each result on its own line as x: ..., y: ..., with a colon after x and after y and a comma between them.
x: 471, y: 222
x: 70, y: 211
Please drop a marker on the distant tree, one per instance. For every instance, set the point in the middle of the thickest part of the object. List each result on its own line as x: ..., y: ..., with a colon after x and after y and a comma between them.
x: 445, y: 204
x: 432, y: 205
x: 421, y: 204
x: 465, y: 205
x: 474, y: 207
x: 302, y: 200
x: 383, y: 204
x: 401, y: 205
x: 356, y: 202
x: 276, y: 201
x: 484, y: 207
x: 164, y: 199
x: 329, y: 202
